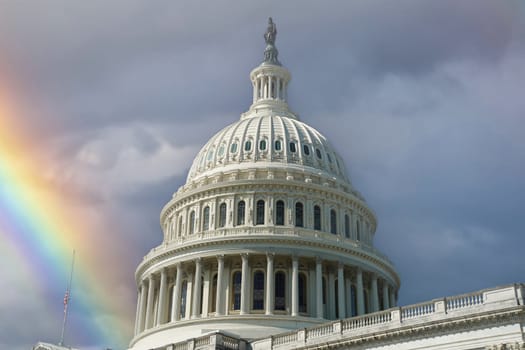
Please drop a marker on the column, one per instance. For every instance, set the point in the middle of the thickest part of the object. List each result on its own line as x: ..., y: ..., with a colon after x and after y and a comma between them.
x: 219, y: 302
x: 270, y: 84
x: 244, y: 284
x: 270, y: 288
x: 360, y: 293
x: 142, y: 312
x: 162, y: 297
x: 319, y: 286
x: 386, y: 303
x: 205, y: 295
x: 295, y: 285
x: 331, y: 294
x: 175, y: 305
x: 255, y: 89
x: 341, y: 291
x: 149, y: 305
x: 348, y: 295
x: 375, y: 295
x: 189, y: 296
x: 278, y: 89
x: 392, y: 297
x: 137, y: 312
x: 196, y: 305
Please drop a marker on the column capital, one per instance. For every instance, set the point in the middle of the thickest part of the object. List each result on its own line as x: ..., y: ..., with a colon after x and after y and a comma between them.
x: 318, y: 260
x: 220, y: 257
x: 270, y: 255
x: 198, y: 260
x: 244, y: 256
x: 340, y: 264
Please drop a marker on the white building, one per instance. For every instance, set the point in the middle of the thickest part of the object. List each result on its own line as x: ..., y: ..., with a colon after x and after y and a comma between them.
x: 268, y: 245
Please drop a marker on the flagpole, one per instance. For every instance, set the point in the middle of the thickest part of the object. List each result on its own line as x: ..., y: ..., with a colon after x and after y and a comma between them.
x: 66, y: 300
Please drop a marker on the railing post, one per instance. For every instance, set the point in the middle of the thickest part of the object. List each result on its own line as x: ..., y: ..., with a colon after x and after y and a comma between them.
x: 395, y: 314
x: 301, y: 335
x: 440, y: 306
x: 191, y: 344
x: 337, y: 327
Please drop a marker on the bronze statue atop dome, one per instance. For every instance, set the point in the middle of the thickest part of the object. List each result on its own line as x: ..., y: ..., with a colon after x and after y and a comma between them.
x: 270, y: 53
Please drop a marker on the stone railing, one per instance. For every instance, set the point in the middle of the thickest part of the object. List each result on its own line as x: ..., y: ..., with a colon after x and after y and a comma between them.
x: 413, y: 315
x: 270, y: 231
x: 209, y: 341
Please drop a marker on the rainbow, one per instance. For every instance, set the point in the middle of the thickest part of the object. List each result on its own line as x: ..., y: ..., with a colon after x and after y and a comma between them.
x: 40, y: 225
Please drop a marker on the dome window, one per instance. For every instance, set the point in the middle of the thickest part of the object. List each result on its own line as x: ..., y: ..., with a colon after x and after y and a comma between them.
x: 293, y: 149
x: 317, y: 218
x: 306, y: 150
x: 248, y: 146
x: 209, y: 157
x: 259, y: 213
x: 222, y: 215
x: 278, y: 145
x: 262, y: 145
x: 220, y: 152
x: 233, y: 148
x: 333, y: 222
x: 318, y: 153
x: 279, y: 213
x: 298, y: 214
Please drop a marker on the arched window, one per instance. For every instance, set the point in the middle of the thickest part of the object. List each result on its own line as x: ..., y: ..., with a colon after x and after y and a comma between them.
x: 192, y: 222
x: 236, y: 288
x: 206, y: 219
x: 222, y: 215
x: 262, y: 145
x: 180, y: 225
x: 259, y: 215
x: 336, y: 286
x: 299, y: 214
x: 367, y: 300
x: 258, y: 290
x: 241, y: 208
x: 280, y: 291
x: 347, y: 226
x: 324, y: 290
x: 213, y: 293
x: 317, y: 217
x: 248, y: 146
x: 183, y: 298
x: 353, y: 300
x: 279, y: 213
x: 306, y: 150
x: 358, y: 230
x: 318, y: 153
x: 233, y: 148
x: 302, y: 293
x: 277, y: 145
x: 333, y: 222
x: 292, y: 147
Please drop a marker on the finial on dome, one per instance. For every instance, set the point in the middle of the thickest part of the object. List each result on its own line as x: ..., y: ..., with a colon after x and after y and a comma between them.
x: 271, y: 53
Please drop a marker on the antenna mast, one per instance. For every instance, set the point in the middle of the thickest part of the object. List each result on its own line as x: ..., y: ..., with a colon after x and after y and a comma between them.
x: 67, y: 296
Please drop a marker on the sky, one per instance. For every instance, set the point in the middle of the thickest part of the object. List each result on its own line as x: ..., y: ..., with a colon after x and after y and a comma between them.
x: 110, y: 101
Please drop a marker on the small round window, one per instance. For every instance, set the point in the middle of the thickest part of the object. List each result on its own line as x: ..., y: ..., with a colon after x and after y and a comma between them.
x: 233, y: 148
x: 306, y: 150
x: 292, y: 147
x: 262, y: 145
x: 278, y: 145
x: 248, y: 146
x: 318, y: 153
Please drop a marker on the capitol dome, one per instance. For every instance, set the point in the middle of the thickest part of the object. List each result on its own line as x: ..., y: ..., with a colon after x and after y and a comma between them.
x: 266, y: 140
x: 267, y: 234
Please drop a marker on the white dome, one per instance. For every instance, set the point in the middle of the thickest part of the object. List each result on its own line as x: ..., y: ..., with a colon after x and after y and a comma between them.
x: 268, y: 141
